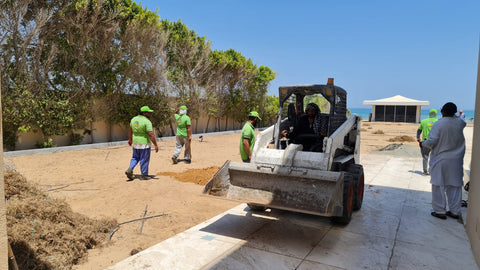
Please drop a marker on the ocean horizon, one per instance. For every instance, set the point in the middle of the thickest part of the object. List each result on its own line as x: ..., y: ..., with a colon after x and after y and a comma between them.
x: 365, y: 112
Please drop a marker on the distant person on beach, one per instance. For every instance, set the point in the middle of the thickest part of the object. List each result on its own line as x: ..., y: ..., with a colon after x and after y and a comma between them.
x: 247, y: 139
x: 184, y: 135
x: 461, y: 115
x: 140, y: 137
x: 446, y: 162
x: 423, y: 130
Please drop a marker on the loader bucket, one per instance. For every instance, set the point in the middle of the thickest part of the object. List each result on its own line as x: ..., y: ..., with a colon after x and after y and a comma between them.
x: 300, y: 190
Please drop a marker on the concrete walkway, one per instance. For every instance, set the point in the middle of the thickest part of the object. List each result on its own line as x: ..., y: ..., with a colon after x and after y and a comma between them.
x: 393, y: 230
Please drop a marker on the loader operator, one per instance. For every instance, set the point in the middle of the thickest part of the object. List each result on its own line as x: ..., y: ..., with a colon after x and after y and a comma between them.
x: 309, y: 129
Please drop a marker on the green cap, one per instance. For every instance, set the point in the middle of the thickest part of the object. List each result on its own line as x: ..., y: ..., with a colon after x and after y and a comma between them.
x: 254, y: 114
x: 145, y: 109
x: 183, y: 107
x: 432, y: 113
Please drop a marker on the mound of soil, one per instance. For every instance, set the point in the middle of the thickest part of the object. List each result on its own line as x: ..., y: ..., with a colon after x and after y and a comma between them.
x: 196, y: 176
x: 45, y: 233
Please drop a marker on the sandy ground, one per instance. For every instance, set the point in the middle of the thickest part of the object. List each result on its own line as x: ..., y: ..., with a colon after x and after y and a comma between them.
x: 93, y: 182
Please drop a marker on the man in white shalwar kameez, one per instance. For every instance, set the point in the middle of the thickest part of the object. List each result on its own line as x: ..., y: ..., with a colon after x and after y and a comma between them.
x: 446, y: 162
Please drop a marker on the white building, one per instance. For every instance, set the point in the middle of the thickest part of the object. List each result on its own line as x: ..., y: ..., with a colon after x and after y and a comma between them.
x: 396, y: 109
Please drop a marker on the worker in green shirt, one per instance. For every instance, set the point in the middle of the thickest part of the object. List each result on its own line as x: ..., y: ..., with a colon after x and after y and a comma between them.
x: 247, y: 140
x: 140, y: 137
x: 424, y: 129
x: 184, y: 135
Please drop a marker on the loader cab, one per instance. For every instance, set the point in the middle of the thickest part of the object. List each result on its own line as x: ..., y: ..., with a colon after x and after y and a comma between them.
x: 296, y: 99
x: 305, y: 123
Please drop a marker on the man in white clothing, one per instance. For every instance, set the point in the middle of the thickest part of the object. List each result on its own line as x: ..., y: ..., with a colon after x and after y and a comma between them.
x: 446, y: 162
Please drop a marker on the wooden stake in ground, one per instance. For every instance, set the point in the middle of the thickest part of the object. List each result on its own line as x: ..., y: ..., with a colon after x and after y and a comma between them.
x: 12, y: 263
x: 3, y: 206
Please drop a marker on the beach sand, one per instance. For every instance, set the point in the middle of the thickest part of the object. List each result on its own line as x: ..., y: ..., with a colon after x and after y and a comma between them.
x: 93, y: 182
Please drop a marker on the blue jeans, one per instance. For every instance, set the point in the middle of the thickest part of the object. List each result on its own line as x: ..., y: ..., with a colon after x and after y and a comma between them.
x: 142, y: 156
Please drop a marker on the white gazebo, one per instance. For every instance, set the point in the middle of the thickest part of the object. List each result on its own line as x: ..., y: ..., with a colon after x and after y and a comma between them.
x: 396, y: 109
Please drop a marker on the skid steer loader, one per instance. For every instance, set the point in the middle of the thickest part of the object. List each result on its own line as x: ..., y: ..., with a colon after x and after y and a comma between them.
x: 312, y: 173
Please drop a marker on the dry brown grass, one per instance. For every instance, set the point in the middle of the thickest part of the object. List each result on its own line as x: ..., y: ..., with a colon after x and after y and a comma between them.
x: 402, y: 138
x: 45, y: 233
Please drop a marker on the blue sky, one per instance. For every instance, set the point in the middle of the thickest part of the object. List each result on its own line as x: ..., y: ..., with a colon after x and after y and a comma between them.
x: 425, y: 50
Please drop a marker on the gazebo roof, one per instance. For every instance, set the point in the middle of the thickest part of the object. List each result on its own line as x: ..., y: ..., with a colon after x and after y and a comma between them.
x: 397, y: 100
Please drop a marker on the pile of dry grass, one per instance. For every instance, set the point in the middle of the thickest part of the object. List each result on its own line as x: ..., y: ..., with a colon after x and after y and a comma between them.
x: 402, y: 138
x: 45, y: 233
x: 378, y: 131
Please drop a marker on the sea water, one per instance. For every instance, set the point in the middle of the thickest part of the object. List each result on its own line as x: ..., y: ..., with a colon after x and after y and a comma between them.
x: 365, y: 112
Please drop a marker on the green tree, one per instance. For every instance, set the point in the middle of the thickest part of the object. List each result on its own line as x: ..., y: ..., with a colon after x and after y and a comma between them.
x: 319, y: 100
x: 27, y: 60
x: 188, y: 66
x: 61, y: 59
x: 216, y: 99
x: 270, y: 110
x: 256, y: 87
x: 237, y: 86
x: 235, y: 69
x: 110, y: 49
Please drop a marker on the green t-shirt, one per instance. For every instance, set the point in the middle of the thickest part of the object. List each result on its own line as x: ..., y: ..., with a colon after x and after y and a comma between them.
x: 182, y: 122
x: 248, y: 132
x: 141, y: 125
x: 426, y: 126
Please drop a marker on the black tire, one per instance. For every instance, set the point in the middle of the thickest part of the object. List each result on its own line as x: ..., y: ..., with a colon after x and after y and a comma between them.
x: 256, y: 207
x: 347, y: 200
x: 358, y: 186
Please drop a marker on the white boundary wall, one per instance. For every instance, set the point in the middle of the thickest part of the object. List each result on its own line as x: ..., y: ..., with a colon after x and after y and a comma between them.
x: 102, y: 132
